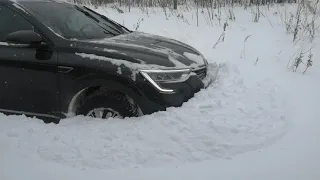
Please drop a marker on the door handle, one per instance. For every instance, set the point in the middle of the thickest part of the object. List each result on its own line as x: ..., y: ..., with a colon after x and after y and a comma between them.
x: 64, y: 69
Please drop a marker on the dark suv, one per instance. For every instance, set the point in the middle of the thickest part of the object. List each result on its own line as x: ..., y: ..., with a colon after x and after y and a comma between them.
x: 59, y: 60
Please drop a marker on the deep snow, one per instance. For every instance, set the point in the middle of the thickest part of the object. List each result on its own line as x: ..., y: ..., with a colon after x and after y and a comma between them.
x: 258, y: 120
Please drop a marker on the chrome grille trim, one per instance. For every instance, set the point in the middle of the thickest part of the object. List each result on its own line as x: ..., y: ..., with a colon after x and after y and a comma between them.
x: 201, y: 72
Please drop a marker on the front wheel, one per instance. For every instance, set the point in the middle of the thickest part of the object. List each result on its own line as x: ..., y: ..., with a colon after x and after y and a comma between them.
x: 104, y: 113
x: 106, y: 105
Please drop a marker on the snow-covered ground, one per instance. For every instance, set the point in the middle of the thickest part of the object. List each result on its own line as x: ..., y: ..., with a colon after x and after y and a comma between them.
x: 259, y: 120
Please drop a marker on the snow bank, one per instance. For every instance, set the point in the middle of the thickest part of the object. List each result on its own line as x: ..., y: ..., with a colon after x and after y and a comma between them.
x: 220, y: 122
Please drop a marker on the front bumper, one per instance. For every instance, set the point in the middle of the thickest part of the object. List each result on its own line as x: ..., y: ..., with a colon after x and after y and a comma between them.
x: 154, y: 101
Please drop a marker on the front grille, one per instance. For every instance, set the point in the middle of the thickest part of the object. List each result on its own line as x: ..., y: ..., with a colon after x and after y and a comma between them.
x: 201, y: 73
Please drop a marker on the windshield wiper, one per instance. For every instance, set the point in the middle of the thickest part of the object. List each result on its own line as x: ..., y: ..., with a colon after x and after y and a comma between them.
x: 95, y: 19
x: 107, y: 19
x: 87, y: 14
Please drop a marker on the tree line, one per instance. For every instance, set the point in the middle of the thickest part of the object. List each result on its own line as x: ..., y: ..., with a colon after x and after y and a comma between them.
x: 175, y: 3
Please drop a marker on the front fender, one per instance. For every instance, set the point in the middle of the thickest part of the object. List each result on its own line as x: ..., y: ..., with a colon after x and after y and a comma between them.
x: 72, y: 89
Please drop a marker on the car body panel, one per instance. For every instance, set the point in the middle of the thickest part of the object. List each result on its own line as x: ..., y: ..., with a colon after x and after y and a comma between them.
x: 29, y: 79
x: 113, y: 63
x: 157, y: 50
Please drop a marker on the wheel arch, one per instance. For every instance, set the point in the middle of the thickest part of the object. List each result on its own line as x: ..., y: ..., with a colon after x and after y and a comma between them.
x: 88, y: 86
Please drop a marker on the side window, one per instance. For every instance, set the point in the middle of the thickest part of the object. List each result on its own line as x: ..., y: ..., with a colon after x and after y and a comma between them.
x: 11, y: 21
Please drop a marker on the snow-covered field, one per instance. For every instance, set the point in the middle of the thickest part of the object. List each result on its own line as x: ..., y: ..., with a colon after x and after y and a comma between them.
x: 259, y: 120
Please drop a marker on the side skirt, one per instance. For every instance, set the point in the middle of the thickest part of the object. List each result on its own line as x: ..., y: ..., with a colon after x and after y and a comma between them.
x: 45, y: 117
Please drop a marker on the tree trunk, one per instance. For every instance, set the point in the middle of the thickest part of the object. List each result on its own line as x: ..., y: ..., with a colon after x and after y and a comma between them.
x: 175, y: 4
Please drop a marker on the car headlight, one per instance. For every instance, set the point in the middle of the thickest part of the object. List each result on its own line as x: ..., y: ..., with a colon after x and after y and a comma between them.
x: 165, y: 76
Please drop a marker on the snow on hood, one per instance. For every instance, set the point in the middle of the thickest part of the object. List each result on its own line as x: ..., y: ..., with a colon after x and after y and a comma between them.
x: 178, y: 53
x: 119, y: 62
x: 134, y: 67
x: 194, y: 57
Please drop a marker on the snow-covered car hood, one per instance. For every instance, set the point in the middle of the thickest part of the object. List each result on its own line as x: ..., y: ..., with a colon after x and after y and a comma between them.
x: 146, y: 49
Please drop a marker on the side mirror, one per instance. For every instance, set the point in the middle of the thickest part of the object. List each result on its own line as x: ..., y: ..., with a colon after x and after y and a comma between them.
x: 24, y: 37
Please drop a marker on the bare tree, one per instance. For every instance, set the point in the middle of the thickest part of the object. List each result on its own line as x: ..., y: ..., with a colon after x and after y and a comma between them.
x: 202, y: 3
x: 175, y: 4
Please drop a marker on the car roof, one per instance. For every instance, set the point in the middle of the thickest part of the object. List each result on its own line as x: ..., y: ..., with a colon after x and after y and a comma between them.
x: 18, y: 1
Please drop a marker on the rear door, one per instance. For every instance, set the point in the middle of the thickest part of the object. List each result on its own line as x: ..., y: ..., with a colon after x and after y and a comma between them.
x: 28, y: 76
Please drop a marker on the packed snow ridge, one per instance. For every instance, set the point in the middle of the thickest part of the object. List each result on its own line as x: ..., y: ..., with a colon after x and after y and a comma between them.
x: 219, y: 122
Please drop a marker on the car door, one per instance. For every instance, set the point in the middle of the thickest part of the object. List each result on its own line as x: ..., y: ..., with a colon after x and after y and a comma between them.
x: 28, y: 76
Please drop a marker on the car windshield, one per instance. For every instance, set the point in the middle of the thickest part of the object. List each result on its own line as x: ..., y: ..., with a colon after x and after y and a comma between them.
x: 73, y: 22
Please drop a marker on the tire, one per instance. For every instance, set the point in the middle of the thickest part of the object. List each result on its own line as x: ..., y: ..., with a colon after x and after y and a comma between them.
x: 107, y: 101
